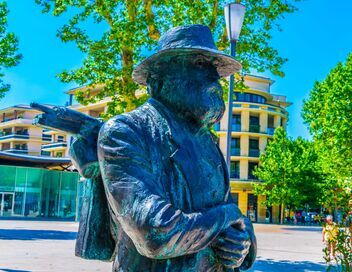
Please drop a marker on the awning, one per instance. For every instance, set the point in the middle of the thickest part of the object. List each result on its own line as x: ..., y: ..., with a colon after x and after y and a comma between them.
x: 7, y: 158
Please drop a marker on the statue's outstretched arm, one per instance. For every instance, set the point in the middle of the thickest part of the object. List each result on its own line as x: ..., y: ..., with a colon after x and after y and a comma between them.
x: 136, y: 196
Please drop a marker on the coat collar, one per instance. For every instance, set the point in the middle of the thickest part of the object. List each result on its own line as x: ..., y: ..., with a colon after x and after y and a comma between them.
x: 178, y: 153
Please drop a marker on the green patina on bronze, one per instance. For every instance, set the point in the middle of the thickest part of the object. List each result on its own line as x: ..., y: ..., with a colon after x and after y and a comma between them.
x: 159, y: 200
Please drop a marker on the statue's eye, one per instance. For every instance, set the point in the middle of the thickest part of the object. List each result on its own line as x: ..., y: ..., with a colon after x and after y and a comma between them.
x: 199, y: 63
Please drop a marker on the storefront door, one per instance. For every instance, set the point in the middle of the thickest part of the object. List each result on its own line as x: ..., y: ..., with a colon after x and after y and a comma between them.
x: 6, y: 204
x: 252, y: 207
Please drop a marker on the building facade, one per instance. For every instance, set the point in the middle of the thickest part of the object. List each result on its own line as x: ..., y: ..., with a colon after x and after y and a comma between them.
x: 38, y: 192
x: 17, y: 134
x: 255, y: 116
x: 47, y: 193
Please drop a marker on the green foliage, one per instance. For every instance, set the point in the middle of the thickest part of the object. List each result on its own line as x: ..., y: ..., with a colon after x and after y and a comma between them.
x: 328, y: 113
x: 343, y: 250
x: 132, y: 27
x: 9, y: 55
x: 289, y: 172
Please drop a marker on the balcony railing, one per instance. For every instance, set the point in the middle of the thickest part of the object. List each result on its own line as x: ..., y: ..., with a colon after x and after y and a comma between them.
x: 46, y: 139
x: 45, y: 153
x: 54, y: 145
x: 254, y: 152
x: 10, y: 119
x: 15, y: 136
x: 254, y: 128
x: 16, y: 150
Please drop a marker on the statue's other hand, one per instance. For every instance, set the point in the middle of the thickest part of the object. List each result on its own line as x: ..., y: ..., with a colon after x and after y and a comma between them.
x: 83, y: 153
x: 231, y: 247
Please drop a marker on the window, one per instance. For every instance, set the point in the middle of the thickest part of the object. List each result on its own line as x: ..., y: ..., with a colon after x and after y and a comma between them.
x: 235, y: 146
x: 236, y: 122
x: 235, y: 170
x: 251, y: 167
x: 60, y: 138
x: 217, y: 126
x: 252, y: 207
x: 249, y: 97
x: 234, y: 198
x: 46, y: 137
x: 254, y: 124
x: 254, y: 148
x: 58, y: 154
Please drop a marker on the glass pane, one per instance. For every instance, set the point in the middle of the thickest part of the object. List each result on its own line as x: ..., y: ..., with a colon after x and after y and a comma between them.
x: 68, y: 194
x: 235, y: 198
x: 7, y: 178
x: 33, y: 190
x: 252, y: 207
x: 8, y: 205
x: 50, y: 193
x: 21, y: 174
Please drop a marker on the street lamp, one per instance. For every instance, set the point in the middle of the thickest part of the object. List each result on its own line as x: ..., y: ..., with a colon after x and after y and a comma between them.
x: 234, y: 15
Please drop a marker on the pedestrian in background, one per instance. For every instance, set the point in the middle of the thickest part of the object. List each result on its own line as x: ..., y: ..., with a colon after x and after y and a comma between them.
x: 330, y: 232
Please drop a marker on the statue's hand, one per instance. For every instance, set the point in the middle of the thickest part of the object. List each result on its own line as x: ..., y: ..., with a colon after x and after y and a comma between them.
x: 83, y: 153
x: 232, y: 246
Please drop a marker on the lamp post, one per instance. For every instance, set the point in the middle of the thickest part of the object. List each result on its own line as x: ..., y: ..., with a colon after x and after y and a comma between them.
x: 234, y: 15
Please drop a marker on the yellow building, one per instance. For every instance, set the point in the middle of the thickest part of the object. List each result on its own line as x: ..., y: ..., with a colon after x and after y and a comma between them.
x: 256, y: 114
x: 60, y: 141
x: 17, y: 134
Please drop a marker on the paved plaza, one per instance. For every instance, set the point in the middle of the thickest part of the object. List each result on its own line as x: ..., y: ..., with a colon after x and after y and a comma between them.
x: 43, y: 246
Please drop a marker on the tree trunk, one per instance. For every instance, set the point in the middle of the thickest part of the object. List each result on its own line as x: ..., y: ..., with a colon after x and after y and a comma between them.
x: 282, y: 213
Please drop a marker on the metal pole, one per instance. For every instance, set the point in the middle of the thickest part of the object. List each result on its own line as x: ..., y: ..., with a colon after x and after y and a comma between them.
x: 229, y: 117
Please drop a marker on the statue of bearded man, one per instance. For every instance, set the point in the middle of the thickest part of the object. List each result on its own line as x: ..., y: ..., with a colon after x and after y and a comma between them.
x: 164, y: 175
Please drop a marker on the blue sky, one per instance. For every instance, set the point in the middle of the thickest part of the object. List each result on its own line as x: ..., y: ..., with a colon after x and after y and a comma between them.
x: 314, y: 39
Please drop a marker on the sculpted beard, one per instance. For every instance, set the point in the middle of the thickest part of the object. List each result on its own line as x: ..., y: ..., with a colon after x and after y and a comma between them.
x: 201, y: 102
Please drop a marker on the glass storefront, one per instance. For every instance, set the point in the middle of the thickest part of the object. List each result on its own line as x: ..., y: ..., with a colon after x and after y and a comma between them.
x: 36, y: 192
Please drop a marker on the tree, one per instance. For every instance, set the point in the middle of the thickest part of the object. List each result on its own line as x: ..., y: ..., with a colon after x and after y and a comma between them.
x: 328, y: 114
x: 289, y: 174
x: 9, y: 55
x: 131, y: 28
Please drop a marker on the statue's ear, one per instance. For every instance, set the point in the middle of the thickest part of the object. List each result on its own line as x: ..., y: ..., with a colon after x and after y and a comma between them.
x: 154, y: 84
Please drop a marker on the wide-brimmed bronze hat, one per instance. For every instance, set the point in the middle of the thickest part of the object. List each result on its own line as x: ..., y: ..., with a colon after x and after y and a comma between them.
x: 185, y: 40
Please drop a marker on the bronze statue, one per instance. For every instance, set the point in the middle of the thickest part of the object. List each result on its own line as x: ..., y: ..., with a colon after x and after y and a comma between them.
x: 164, y: 176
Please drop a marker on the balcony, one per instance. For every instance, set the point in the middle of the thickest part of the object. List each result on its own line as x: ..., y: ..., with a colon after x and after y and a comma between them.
x: 254, y: 153
x: 9, y: 122
x: 54, y: 146
x: 15, y: 136
x: 16, y: 150
x: 254, y: 128
x: 45, y: 153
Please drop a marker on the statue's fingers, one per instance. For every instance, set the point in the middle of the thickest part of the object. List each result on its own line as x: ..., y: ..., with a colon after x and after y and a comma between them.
x: 230, y: 263
x: 40, y: 119
x: 233, y: 247
x: 235, y: 257
x: 233, y: 235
